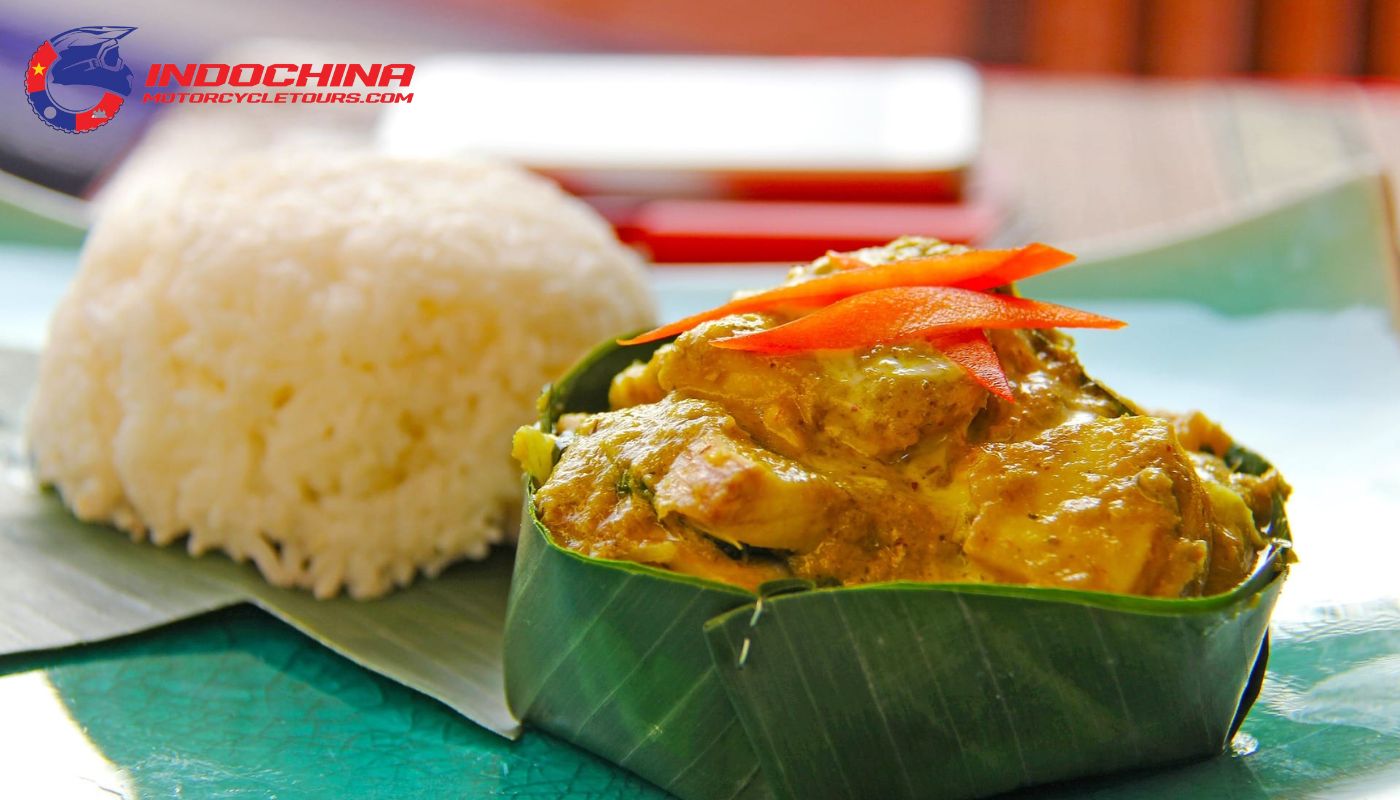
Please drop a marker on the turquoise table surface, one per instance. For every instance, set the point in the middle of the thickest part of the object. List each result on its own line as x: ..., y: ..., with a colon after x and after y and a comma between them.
x: 237, y: 704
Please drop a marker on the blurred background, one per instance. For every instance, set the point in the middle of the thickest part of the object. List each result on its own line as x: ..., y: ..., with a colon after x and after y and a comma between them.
x: 1092, y: 119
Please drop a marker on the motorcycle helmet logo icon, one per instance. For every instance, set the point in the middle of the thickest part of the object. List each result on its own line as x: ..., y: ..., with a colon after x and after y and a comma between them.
x: 76, y: 81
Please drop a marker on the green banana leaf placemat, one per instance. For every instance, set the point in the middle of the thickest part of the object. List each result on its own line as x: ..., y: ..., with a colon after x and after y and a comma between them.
x: 235, y: 703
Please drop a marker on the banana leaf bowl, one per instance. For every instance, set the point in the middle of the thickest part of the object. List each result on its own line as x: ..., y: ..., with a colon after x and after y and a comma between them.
x: 894, y: 690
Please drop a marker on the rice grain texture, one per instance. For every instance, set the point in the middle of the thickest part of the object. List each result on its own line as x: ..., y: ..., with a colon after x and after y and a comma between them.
x: 316, y: 361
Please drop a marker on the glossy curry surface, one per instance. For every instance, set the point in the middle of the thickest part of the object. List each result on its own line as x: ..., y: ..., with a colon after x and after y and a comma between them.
x: 891, y: 464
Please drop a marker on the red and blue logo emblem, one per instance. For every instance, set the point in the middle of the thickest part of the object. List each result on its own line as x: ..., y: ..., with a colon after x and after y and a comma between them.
x: 77, y: 80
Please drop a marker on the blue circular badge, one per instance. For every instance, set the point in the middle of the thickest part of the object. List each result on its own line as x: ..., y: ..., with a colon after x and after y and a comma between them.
x: 76, y: 81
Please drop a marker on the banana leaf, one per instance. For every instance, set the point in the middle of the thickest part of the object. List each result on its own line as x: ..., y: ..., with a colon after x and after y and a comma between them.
x: 68, y: 582
x: 883, y: 690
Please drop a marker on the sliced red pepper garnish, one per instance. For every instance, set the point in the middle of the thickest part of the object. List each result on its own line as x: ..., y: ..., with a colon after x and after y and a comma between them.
x: 1029, y: 261
x: 956, y: 269
x: 971, y: 350
x: 905, y: 313
x: 1024, y: 262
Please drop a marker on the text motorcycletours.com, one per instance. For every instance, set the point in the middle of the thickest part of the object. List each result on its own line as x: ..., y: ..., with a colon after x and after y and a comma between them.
x: 251, y: 83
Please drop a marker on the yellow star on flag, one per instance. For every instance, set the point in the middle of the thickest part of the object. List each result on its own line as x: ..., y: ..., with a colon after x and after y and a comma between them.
x: 38, y: 69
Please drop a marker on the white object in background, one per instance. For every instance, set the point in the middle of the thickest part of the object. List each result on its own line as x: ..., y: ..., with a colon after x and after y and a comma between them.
x: 694, y: 113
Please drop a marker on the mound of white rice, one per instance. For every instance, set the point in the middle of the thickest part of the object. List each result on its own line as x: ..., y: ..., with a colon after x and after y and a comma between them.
x: 316, y: 362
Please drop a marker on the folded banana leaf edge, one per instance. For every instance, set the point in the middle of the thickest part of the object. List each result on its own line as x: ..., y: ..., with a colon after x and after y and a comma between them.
x: 882, y: 690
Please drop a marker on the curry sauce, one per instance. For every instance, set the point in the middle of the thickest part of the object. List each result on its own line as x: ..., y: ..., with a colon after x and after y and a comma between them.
x: 890, y: 464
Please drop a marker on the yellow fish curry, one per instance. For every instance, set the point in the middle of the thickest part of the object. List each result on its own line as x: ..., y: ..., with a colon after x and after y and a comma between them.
x: 896, y: 462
